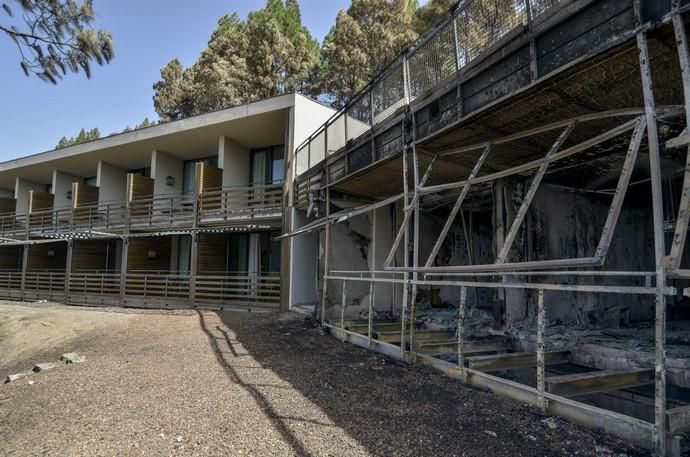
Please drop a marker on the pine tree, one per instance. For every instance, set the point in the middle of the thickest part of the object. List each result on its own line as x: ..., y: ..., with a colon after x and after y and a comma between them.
x: 54, y: 37
x: 364, y: 40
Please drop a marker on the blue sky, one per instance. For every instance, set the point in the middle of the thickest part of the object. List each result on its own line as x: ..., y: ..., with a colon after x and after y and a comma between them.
x: 34, y: 115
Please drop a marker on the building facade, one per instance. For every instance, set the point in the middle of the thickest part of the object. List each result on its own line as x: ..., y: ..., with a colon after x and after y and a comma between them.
x: 180, y: 214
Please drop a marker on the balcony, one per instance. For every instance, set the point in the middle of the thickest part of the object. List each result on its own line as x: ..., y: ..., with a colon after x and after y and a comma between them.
x: 218, y: 207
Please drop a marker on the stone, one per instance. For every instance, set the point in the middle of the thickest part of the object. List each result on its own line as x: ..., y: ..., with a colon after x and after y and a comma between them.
x: 14, y: 377
x: 73, y: 357
x: 551, y: 423
x: 45, y: 366
x: 490, y: 433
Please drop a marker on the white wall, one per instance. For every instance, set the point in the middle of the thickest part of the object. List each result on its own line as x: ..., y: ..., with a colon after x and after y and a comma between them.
x: 62, y: 183
x: 233, y: 159
x: 304, y: 264
x: 308, y: 116
x: 111, y: 182
x: 21, y: 192
x: 162, y: 166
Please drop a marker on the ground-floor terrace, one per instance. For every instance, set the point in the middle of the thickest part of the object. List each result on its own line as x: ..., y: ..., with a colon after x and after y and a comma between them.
x: 206, y: 383
x: 229, y: 268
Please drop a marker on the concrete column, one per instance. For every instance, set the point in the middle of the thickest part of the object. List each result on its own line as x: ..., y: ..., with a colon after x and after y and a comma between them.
x: 111, y: 182
x: 193, y: 268
x: 62, y: 187
x: 163, y: 166
x: 123, y: 271
x: 382, y: 241
x: 25, y: 264
x: 68, y: 268
x: 21, y: 193
x: 233, y: 159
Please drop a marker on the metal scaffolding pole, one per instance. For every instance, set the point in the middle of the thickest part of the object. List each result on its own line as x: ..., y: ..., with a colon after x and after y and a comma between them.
x: 659, y: 249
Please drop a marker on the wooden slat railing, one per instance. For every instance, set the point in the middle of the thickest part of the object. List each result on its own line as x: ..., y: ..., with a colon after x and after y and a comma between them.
x: 241, y: 203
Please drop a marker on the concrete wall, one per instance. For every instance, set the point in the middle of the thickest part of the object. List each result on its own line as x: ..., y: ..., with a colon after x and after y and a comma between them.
x: 21, y: 193
x: 162, y: 166
x: 233, y: 159
x: 111, y: 182
x: 62, y: 184
x: 308, y: 115
x: 304, y: 264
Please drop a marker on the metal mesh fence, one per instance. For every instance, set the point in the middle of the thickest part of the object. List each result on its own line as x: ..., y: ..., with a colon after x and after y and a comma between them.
x: 336, y: 134
x: 481, y: 23
x: 433, y: 61
x: 537, y: 7
x: 468, y: 32
x: 388, y: 94
x: 359, y: 117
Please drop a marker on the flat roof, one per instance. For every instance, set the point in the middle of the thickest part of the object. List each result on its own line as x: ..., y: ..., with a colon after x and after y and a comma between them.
x: 252, y: 125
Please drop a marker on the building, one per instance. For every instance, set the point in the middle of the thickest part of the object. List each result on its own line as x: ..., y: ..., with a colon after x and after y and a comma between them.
x: 508, y: 202
x: 176, y: 215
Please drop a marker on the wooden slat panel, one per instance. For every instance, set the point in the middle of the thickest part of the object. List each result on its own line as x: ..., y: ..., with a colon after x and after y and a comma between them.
x: 10, y: 258
x: 137, y: 257
x: 139, y: 187
x: 40, y: 260
x: 212, y: 250
x: 40, y: 201
x: 90, y: 255
x: 84, y: 195
x: 7, y: 205
x: 210, y: 178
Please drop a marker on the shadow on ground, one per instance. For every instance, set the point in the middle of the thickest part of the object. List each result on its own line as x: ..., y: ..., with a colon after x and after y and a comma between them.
x: 388, y: 408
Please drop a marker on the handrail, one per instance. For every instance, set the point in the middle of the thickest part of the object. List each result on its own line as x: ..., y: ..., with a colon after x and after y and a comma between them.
x: 459, y: 37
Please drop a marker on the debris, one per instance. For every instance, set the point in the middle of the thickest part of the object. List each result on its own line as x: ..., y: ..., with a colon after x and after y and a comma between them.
x: 14, y: 377
x: 179, y: 439
x: 490, y: 433
x: 45, y: 366
x: 31, y: 382
x: 551, y: 423
x: 73, y: 357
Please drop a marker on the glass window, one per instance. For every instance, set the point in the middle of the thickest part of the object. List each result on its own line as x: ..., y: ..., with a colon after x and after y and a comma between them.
x: 145, y: 172
x: 267, y: 165
x: 90, y: 181
x: 237, y: 252
x: 184, y: 254
x: 189, y: 173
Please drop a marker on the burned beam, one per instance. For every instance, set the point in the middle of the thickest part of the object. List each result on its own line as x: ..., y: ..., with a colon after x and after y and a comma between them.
x: 598, y: 381
x: 516, y: 360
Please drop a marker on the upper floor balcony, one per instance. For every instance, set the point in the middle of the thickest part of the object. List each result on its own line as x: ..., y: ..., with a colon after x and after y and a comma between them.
x: 487, y: 67
x: 225, y: 206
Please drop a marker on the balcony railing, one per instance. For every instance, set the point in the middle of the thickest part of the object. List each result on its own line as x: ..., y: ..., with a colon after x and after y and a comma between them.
x: 154, y: 288
x: 241, y: 203
x: 456, y: 40
x: 178, y: 210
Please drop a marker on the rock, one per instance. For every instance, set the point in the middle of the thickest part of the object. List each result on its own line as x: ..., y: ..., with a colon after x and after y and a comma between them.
x: 73, y: 357
x: 45, y: 366
x: 14, y: 377
x: 490, y: 433
x: 551, y: 423
x: 31, y: 382
x: 179, y: 439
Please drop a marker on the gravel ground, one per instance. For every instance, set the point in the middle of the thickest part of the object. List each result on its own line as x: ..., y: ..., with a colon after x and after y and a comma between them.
x: 207, y: 384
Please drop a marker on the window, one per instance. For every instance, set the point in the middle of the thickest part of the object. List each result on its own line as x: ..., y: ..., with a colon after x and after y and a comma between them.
x: 145, y: 172
x: 189, y: 173
x: 267, y: 165
x: 90, y: 181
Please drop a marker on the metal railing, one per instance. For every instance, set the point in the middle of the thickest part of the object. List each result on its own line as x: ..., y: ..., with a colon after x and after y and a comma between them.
x: 240, y: 203
x: 239, y: 289
x: 167, y: 210
x: 455, y: 41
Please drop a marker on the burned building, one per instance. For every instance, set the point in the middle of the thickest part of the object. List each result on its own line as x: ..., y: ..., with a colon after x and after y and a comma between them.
x: 508, y: 202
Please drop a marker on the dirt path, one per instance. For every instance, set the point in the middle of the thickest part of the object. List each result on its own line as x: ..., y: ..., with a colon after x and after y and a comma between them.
x: 205, y: 384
